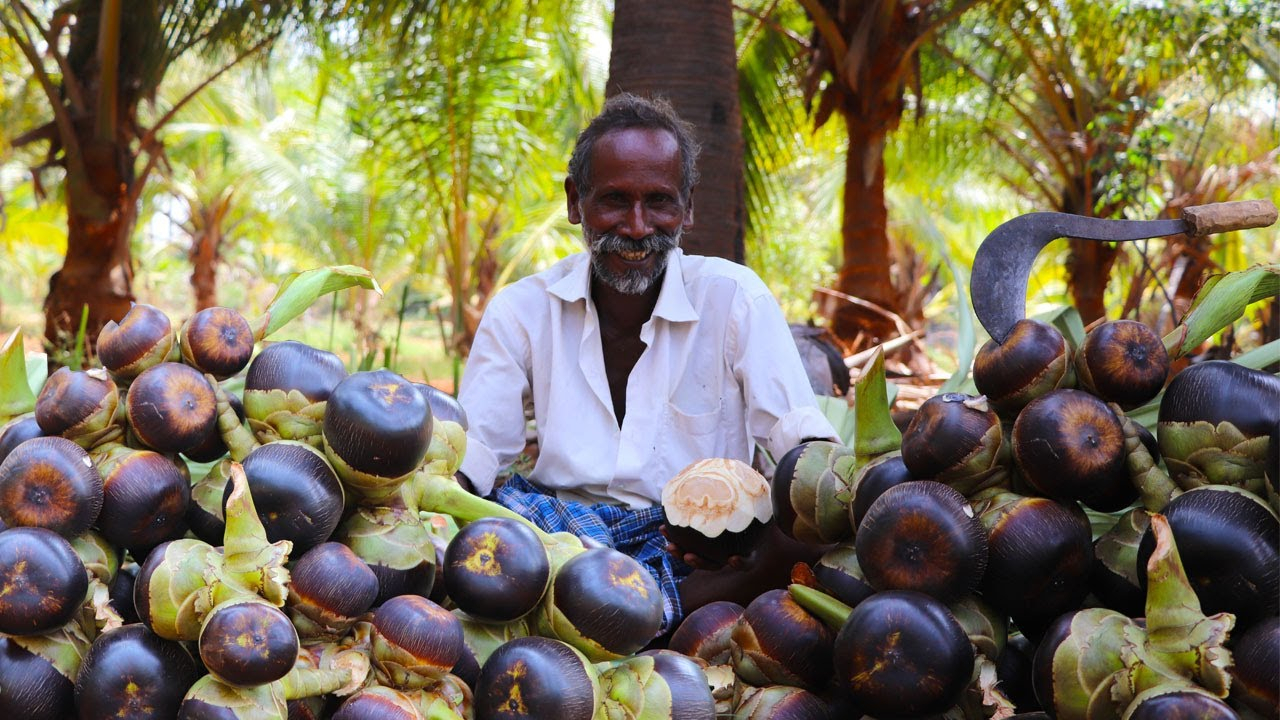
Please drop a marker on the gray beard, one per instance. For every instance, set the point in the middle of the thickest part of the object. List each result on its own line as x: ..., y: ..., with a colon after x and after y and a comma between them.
x: 631, y: 282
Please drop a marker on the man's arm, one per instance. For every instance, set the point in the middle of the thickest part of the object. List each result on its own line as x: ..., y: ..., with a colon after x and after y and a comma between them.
x: 782, y: 410
x: 494, y: 389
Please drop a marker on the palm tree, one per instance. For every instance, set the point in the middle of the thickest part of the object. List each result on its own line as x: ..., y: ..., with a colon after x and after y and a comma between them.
x: 472, y: 107
x: 1081, y: 90
x: 685, y: 51
x: 96, y: 62
x: 863, y: 57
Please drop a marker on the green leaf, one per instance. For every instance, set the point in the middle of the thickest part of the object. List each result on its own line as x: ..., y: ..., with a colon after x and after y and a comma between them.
x: 16, y: 395
x: 37, y: 371
x: 1219, y: 303
x: 300, y: 290
x: 840, y: 415
x: 965, y: 336
x: 1068, y: 322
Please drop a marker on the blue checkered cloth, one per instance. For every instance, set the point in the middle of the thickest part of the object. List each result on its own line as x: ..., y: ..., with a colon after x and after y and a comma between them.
x: 634, y: 532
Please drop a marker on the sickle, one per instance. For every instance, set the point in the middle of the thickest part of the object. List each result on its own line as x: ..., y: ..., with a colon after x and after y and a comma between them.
x: 998, y: 284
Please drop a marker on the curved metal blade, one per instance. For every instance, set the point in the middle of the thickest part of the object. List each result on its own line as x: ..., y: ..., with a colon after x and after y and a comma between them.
x: 998, y: 284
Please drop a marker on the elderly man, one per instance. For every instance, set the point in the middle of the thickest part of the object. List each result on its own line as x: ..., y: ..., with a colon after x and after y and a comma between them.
x: 636, y: 359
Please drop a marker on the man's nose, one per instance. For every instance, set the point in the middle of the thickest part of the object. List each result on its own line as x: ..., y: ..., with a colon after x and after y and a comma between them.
x: 635, y: 222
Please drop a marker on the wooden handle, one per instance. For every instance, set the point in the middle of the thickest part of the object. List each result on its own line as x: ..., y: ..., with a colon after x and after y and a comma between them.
x: 1228, y: 216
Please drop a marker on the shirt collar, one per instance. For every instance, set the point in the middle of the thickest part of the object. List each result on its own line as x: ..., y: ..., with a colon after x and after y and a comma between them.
x: 673, y: 300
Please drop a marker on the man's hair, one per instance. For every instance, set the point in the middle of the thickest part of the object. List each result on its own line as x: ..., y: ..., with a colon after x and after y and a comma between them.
x: 625, y: 111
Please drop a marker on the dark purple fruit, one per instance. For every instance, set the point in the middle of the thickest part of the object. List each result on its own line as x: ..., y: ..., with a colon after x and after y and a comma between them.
x: 171, y: 407
x: 947, y: 432
x: 1255, y: 655
x: 377, y: 424
x: 217, y: 341
x: 776, y: 641
x: 145, y: 498
x: 33, y: 687
x: 329, y: 589
x: 71, y: 399
x: 143, y: 338
x: 841, y: 576
x: 295, y: 491
x: 50, y: 482
x: 536, y: 678
x: 902, y: 654
x: 377, y: 703
x: 248, y: 642
x: 704, y: 633
x: 608, y: 599
x: 1040, y: 553
x: 1070, y: 446
x: 292, y: 365
x: 1180, y: 703
x: 416, y: 636
x: 873, y: 479
x: 922, y: 536
x: 17, y: 432
x: 132, y: 673
x: 496, y: 569
x: 1033, y: 359
x: 44, y: 581
x: 1124, y: 362
x: 1229, y: 542
x: 443, y: 405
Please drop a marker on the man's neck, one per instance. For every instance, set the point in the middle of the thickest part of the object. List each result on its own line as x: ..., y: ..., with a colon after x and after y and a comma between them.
x: 622, y: 311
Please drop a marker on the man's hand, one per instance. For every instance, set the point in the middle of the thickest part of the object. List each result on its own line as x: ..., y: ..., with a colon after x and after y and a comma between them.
x: 739, y: 563
x: 464, y: 481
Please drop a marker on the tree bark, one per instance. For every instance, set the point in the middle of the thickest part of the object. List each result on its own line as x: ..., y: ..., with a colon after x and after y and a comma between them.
x: 205, y: 244
x: 684, y: 50
x: 97, y: 271
x: 865, y: 273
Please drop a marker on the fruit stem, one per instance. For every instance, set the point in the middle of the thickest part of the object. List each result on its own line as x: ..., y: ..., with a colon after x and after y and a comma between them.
x: 824, y: 607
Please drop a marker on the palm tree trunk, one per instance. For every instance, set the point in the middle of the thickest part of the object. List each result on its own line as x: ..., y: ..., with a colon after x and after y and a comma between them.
x: 97, y: 271
x: 864, y: 229
x: 684, y: 51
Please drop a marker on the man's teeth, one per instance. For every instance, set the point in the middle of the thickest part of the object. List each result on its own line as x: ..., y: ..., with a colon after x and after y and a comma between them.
x: 633, y: 255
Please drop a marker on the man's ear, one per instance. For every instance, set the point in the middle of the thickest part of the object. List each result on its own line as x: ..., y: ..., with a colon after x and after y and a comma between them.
x: 688, y: 211
x: 572, y: 198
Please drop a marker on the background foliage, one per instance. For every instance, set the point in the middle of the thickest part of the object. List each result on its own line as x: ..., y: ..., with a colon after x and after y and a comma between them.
x: 429, y: 146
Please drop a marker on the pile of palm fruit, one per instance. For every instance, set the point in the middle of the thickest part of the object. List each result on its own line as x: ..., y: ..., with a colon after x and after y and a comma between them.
x: 210, y: 525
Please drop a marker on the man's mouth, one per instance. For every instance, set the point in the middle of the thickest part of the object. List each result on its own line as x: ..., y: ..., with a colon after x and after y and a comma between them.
x: 633, y: 255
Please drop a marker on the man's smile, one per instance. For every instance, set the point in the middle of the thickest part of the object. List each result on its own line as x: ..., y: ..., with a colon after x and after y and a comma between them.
x: 633, y: 255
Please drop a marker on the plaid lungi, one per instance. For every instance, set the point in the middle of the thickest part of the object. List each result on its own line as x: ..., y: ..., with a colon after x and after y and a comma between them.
x: 634, y: 532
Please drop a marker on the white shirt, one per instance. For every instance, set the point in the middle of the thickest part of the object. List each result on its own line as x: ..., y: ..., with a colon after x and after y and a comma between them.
x: 719, y: 373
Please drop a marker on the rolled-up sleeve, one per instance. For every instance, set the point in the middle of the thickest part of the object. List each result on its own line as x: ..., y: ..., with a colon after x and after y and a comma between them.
x: 781, y: 407
x: 494, y: 391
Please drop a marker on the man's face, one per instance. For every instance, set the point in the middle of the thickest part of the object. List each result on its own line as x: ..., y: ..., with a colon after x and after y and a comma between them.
x: 633, y: 216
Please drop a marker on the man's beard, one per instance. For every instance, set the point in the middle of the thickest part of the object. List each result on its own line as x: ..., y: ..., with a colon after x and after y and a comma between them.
x: 637, y: 280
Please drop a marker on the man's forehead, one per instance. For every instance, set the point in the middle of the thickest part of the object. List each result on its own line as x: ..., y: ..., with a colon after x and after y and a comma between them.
x: 653, y: 144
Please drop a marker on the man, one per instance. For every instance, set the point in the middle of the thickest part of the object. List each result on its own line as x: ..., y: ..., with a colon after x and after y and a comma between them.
x: 637, y: 359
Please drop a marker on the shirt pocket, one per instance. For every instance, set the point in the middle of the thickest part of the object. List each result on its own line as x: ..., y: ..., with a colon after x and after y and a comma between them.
x: 690, y: 436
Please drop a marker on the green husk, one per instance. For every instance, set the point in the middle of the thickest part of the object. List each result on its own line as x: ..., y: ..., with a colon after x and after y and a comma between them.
x: 1180, y: 639
x: 633, y: 690
x: 821, y: 490
x: 1155, y: 487
x: 257, y: 702
x: 875, y: 432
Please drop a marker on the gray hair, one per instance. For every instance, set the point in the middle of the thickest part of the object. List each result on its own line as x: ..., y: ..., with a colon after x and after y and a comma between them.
x: 624, y: 111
